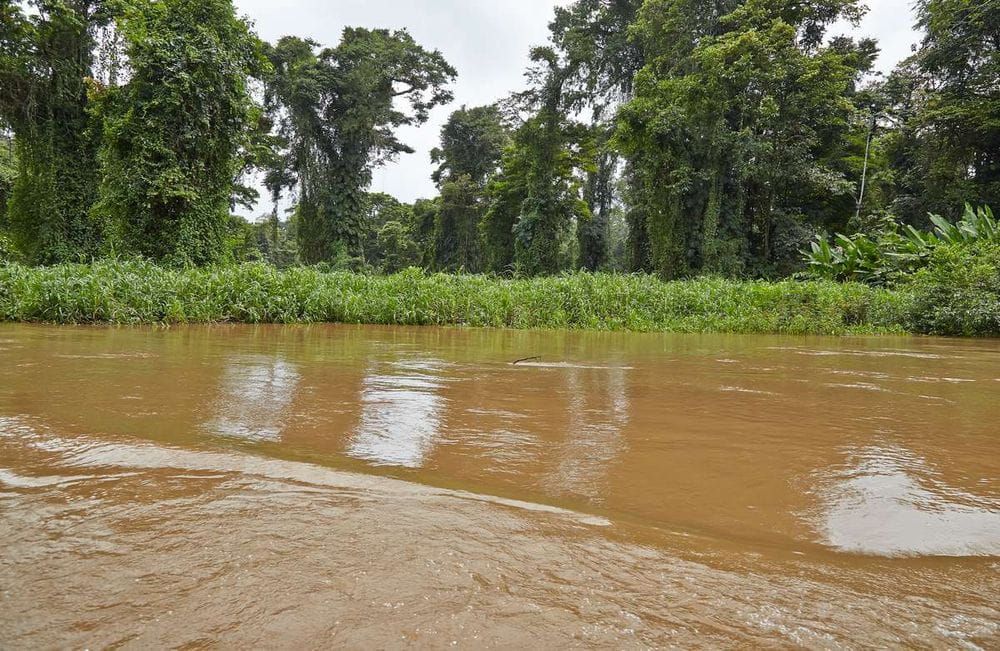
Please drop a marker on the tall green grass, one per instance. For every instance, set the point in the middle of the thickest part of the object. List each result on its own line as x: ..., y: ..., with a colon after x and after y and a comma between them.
x: 139, y: 292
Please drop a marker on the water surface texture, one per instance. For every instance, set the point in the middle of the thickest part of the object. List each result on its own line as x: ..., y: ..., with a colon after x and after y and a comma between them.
x: 389, y: 487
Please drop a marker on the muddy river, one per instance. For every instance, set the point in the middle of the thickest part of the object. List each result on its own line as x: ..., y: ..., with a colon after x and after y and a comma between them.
x: 302, y: 487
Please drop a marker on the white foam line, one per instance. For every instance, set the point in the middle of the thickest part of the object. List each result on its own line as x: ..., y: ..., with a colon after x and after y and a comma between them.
x: 146, y: 456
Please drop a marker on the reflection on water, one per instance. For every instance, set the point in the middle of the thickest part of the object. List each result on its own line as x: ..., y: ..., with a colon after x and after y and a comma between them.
x: 887, y: 501
x: 598, y: 412
x: 400, y: 413
x: 254, y: 398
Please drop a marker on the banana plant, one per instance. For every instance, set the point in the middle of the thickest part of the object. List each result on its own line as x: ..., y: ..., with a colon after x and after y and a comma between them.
x: 975, y: 225
x: 894, y: 255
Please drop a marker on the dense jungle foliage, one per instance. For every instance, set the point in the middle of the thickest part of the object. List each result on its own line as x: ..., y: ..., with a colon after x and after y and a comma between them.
x: 672, y: 137
x: 892, y: 256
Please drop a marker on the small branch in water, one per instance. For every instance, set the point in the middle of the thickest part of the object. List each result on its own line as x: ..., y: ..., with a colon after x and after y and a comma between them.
x: 526, y: 359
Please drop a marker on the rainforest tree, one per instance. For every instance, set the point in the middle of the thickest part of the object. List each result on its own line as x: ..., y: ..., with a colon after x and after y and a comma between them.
x: 8, y: 169
x: 46, y: 59
x: 537, y: 198
x: 730, y: 133
x: 456, y: 227
x: 172, y: 133
x: 505, y: 194
x: 594, y: 36
x: 396, y: 247
x: 945, y: 101
x: 472, y: 144
x: 422, y: 229
x: 380, y: 210
x: 336, y: 111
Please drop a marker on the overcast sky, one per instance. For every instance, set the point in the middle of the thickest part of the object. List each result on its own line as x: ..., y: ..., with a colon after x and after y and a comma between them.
x: 488, y: 42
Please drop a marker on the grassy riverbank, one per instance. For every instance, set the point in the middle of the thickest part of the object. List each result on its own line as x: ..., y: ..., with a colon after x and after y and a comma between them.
x: 136, y: 292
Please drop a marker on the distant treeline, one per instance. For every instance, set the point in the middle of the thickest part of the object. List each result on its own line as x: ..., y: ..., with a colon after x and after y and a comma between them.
x: 675, y: 137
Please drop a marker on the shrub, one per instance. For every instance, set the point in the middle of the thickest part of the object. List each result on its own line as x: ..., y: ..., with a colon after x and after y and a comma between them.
x: 7, y: 253
x: 958, y: 294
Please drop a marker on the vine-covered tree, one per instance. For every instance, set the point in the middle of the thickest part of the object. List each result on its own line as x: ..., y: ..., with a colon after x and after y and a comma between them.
x: 594, y: 36
x: 730, y: 133
x: 456, y: 226
x: 537, y: 197
x: 8, y: 168
x: 379, y: 210
x: 425, y: 212
x: 396, y: 246
x: 172, y: 133
x: 336, y: 111
x: 46, y: 57
x: 472, y: 143
x: 505, y: 194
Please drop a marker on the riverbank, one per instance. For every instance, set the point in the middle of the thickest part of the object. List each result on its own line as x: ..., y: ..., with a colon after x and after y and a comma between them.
x: 137, y: 293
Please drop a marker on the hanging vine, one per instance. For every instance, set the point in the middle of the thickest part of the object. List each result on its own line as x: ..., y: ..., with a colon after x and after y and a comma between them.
x: 171, y: 134
x: 46, y: 60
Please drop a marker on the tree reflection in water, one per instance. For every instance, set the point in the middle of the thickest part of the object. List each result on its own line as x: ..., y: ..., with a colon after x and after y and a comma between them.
x: 255, y: 397
x: 597, y: 415
x: 400, y: 413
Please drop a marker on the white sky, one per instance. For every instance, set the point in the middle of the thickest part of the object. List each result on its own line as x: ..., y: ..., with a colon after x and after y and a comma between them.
x: 488, y: 42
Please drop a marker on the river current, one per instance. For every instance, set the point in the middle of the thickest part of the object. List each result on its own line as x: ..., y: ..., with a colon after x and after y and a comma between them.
x: 393, y: 487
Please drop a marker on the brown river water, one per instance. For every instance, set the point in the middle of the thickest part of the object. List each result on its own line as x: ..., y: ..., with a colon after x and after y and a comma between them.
x: 305, y: 487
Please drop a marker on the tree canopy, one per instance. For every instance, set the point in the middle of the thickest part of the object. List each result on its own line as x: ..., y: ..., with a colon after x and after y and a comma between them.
x: 676, y: 137
x: 943, y: 111
x: 336, y: 111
